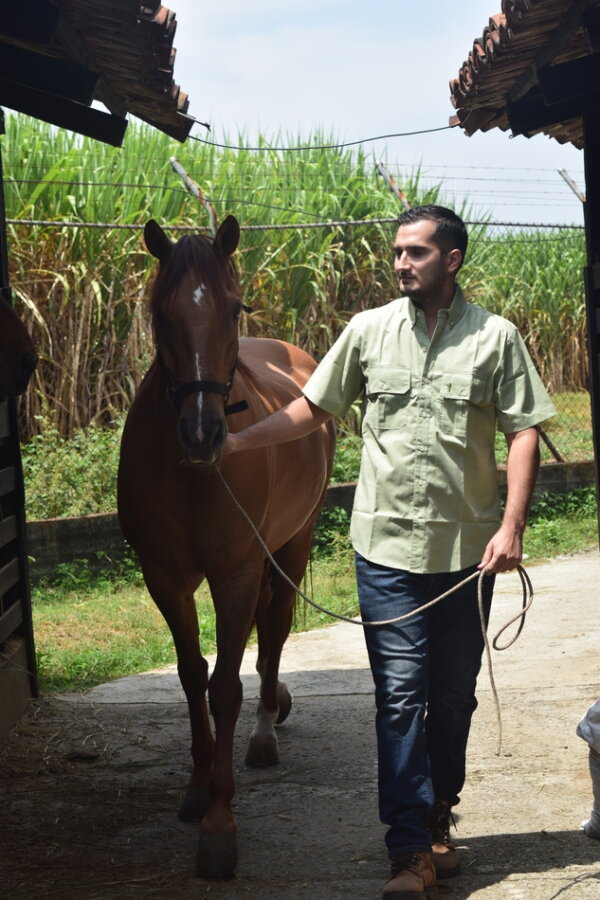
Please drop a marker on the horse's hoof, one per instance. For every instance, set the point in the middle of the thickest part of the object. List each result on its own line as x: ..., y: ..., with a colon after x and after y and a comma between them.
x: 194, y: 805
x: 216, y: 856
x: 284, y: 701
x: 262, y: 751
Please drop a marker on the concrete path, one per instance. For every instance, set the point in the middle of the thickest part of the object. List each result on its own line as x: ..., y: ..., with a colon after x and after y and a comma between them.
x: 518, y: 822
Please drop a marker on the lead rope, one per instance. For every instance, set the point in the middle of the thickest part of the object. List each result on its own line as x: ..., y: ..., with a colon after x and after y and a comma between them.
x: 479, y: 574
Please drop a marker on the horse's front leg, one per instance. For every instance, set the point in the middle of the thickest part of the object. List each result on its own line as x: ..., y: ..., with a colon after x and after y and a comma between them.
x: 179, y: 610
x: 235, y: 606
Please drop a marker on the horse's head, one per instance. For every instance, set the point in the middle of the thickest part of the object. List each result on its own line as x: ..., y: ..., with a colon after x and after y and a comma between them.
x: 18, y: 358
x: 196, y: 305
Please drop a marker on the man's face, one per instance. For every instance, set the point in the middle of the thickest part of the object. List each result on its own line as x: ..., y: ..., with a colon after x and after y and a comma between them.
x: 422, y: 268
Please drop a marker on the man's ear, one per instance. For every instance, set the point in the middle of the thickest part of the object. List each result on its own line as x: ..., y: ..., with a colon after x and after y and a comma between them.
x: 455, y: 259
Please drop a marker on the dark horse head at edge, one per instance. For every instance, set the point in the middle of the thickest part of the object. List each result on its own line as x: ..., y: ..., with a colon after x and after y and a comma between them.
x: 18, y: 358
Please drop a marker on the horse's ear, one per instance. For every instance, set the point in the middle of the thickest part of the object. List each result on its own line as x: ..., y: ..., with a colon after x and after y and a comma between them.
x: 228, y: 236
x: 157, y: 241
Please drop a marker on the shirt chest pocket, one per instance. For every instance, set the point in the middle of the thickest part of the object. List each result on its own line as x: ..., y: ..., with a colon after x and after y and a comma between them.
x: 388, y: 397
x: 459, y: 394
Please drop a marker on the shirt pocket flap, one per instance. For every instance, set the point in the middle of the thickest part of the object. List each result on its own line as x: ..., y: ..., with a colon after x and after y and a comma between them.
x: 388, y: 380
x: 456, y: 386
x: 461, y: 386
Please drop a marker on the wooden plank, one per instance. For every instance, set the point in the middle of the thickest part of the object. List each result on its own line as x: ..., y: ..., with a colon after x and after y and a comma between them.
x: 570, y: 80
x: 65, y: 113
x: 8, y: 530
x: 30, y: 20
x: 9, y: 576
x: 562, y: 30
x: 4, y: 419
x: 531, y: 113
x: 592, y: 232
x: 10, y: 621
x: 7, y: 480
x: 64, y: 79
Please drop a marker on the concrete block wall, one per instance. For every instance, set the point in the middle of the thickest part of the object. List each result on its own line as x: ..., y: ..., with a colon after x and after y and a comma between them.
x: 98, y: 540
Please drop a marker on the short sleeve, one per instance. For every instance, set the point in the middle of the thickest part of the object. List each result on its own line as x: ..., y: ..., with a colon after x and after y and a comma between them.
x: 521, y: 399
x: 338, y: 379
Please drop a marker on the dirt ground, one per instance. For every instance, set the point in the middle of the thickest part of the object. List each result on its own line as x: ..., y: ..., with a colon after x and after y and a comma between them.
x: 89, y: 785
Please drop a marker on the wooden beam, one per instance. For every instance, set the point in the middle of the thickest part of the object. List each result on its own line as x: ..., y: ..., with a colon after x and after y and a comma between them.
x: 531, y: 113
x: 560, y: 37
x: 105, y: 93
x: 591, y: 23
x: 65, y: 79
x: 591, y: 155
x: 33, y: 21
x: 65, y: 113
x: 178, y: 126
x: 570, y: 80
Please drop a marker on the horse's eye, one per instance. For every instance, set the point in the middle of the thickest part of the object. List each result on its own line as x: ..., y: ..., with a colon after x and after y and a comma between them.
x: 237, y: 311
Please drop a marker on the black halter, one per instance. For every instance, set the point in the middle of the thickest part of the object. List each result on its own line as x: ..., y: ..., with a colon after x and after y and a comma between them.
x: 176, y: 395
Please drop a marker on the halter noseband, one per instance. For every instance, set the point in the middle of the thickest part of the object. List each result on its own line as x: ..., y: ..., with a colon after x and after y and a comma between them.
x: 176, y: 395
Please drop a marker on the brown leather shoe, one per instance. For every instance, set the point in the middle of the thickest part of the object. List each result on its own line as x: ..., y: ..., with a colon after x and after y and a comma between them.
x: 445, y: 855
x: 413, y: 878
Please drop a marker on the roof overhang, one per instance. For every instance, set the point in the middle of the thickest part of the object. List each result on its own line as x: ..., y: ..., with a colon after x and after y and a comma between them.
x: 58, y: 56
x: 534, y: 70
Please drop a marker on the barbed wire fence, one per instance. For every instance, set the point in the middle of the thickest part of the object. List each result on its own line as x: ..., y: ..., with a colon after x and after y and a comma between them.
x: 566, y: 438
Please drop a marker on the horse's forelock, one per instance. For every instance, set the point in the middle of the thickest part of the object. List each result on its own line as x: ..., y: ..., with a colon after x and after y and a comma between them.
x: 192, y: 253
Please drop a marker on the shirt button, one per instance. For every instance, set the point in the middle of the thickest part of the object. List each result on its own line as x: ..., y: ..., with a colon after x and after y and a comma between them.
x: 463, y: 393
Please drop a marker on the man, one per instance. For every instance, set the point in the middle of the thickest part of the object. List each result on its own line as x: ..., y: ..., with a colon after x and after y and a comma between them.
x: 437, y: 375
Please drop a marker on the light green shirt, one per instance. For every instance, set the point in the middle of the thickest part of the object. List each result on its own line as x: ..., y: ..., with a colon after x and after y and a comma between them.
x: 427, y: 495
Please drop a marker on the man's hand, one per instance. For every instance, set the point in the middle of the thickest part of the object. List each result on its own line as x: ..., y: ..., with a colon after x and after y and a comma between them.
x: 504, y: 552
x: 229, y: 445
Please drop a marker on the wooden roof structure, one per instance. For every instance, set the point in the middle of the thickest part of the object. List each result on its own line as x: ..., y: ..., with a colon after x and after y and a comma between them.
x: 58, y: 56
x: 536, y: 70
x: 532, y: 71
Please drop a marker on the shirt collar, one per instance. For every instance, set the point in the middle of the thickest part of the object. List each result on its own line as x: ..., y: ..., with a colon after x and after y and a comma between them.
x: 454, y: 313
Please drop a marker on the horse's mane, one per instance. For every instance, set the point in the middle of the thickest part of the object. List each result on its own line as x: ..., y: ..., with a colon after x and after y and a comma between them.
x: 196, y: 253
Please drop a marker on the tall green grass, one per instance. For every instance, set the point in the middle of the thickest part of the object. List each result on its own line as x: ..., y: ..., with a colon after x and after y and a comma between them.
x: 82, y: 290
x: 536, y: 281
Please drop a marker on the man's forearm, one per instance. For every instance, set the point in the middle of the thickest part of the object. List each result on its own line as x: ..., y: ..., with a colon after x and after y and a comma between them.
x: 505, y: 550
x: 521, y: 473
x: 293, y: 421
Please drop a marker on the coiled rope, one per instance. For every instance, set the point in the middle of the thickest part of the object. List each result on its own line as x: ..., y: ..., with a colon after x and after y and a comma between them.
x: 479, y: 574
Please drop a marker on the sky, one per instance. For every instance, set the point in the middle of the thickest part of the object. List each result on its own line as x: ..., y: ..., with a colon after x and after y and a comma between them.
x: 353, y: 70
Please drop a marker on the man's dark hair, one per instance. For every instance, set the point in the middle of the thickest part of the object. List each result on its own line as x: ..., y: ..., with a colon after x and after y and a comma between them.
x: 450, y: 232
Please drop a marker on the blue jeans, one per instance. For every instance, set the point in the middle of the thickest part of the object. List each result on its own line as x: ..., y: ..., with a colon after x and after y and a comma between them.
x: 425, y: 671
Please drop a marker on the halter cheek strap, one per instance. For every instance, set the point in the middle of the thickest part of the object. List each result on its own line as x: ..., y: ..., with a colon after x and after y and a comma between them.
x: 234, y: 408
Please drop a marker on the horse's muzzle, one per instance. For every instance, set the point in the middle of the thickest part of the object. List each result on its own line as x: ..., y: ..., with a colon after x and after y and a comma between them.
x: 202, y: 444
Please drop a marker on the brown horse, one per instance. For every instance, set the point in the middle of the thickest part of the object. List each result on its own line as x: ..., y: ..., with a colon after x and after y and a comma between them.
x: 178, y: 516
x: 18, y: 358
